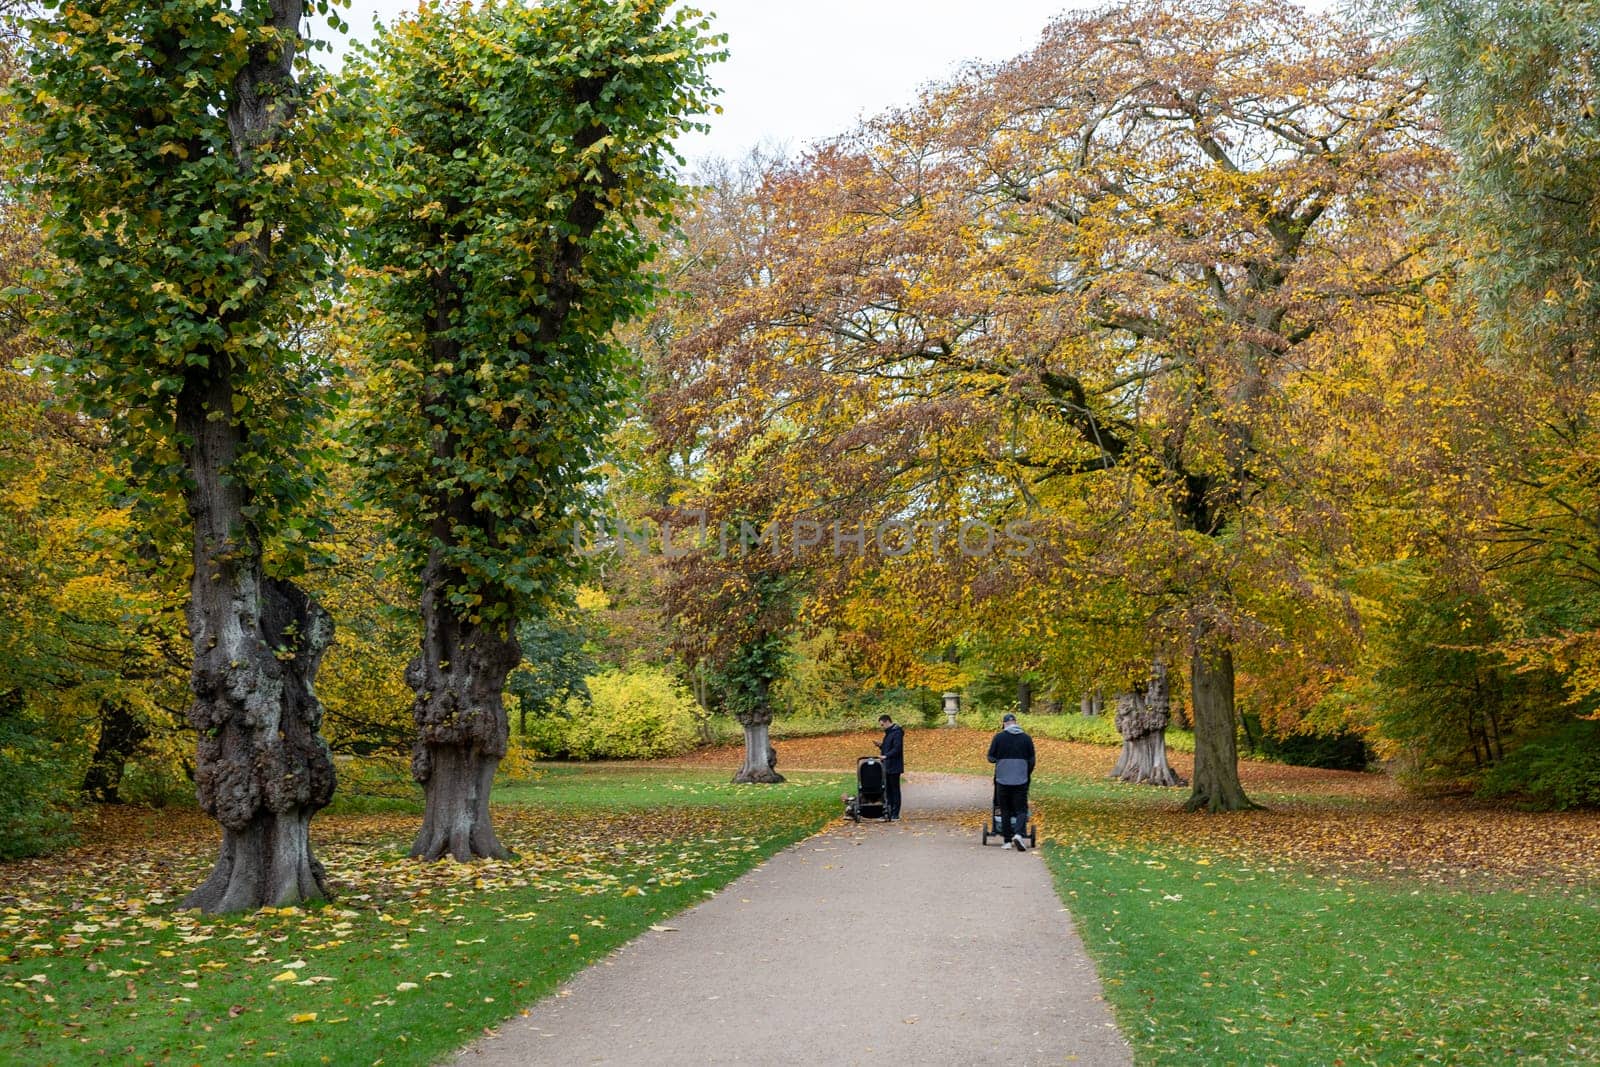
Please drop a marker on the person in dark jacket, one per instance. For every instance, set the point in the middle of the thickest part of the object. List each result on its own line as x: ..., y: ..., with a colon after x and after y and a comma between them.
x: 893, y: 748
x: 1011, y: 752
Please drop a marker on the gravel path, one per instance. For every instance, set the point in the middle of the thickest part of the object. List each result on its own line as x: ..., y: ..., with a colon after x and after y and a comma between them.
x: 908, y: 942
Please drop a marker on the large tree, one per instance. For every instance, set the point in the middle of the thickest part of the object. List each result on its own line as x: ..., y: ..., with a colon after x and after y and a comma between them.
x: 190, y: 161
x: 1108, y: 261
x: 524, y: 169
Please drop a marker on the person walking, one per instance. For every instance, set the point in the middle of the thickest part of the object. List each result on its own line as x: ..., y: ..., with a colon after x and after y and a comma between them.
x: 893, y: 749
x: 1011, y: 752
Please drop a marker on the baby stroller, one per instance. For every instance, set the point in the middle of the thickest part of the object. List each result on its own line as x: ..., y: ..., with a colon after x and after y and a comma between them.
x: 870, y: 797
x: 993, y: 828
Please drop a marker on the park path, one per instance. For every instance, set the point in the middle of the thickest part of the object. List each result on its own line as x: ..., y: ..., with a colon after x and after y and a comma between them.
x: 906, y: 942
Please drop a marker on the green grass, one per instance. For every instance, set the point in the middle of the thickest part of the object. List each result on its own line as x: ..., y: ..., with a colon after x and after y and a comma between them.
x: 1218, y: 961
x: 725, y: 730
x: 411, y: 961
x: 628, y: 787
x: 1071, y: 726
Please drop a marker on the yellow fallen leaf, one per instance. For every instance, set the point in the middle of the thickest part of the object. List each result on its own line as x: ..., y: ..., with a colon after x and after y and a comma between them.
x: 404, y: 986
x: 286, y: 976
x: 304, y: 1017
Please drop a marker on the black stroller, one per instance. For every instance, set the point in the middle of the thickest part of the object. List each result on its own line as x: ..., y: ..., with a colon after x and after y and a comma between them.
x: 993, y: 827
x: 870, y: 797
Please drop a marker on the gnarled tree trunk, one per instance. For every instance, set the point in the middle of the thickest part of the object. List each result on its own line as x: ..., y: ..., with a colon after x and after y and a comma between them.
x: 757, y: 742
x: 459, y: 679
x: 121, y: 734
x: 261, y: 769
x: 1142, y: 721
x: 1216, y: 755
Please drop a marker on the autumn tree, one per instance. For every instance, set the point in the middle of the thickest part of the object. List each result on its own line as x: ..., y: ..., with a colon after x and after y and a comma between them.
x: 733, y: 592
x: 1517, y: 91
x: 1106, y: 261
x: 524, y: 165
x: 190, y: 161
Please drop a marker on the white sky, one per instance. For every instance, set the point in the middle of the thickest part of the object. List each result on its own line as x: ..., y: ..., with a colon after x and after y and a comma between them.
x: 801, y: 70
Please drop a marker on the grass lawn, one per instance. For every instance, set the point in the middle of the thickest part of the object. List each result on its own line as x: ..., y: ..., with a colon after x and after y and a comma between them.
x: 408, y: 963
x: 1224, y: 961
x: 1346, y: 925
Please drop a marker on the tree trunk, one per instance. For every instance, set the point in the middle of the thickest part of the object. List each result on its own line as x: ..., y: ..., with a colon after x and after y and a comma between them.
x: 261, y: 770
x: 1142, y: 721
x: 459, y: 679
x: 1024, y: 697
x: 121, y: 734
x: 757, y: 740
x: 1216, y: 755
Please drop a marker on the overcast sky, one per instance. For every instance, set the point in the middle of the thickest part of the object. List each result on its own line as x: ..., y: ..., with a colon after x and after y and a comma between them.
x: 802, y: 70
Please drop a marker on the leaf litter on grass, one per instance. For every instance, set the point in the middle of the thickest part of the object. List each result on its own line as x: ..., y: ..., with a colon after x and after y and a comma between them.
x: 1333, y: 819
x: 92, y: 942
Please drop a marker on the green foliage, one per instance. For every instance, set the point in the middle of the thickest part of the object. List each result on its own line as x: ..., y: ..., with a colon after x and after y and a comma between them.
x: 1556, y: 771
x: 185, y: 255
x: 1341, y: 750
x: 554, y: 666
x: 736, y: 613
x: 1516, y: 89
x: 156, y: 783
x: 1445, y: 701
x: 1071, y: 726
x: 747, y: 676
x: 643, y: 713
x: 36, y: 778
x: 521, y: 172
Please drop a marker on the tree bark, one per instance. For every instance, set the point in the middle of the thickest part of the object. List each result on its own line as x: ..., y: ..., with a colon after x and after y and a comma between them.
x: 757, y: 740
x: 459, y: 679
x: 1024, y: 697
x: 1216, y: 756
x: 121, y: 734
x: 261, y: 770
x: 1142, y: 721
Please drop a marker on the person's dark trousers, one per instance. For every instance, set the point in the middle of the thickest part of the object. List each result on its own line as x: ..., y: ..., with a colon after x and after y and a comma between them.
x: 1013, y: 803
x: 891, y: 788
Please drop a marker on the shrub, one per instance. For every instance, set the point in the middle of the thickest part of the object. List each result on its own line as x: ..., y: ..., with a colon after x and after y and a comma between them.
x: 1071, y: 726
x: 35, y: 789
x: 1343, y: 750
x: 1556, y: 771
x: 153, y: 782
x: 641, y: 713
